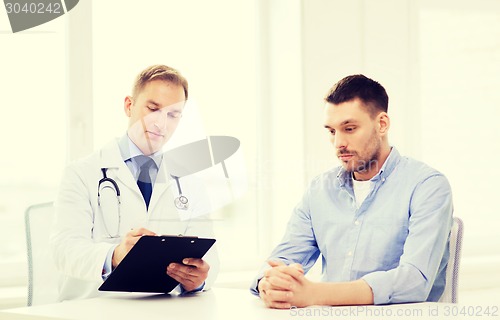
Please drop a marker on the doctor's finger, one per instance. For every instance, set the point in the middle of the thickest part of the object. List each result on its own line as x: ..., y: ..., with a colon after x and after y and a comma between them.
x: 183, y: 277
x: 198, y: 263
x: 141, y: 232
x: 187, y: 272
x: 182, y: 280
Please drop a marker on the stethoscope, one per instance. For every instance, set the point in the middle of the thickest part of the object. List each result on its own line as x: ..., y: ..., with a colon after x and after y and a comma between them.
x: 181, y: 202
x: 117, y: 191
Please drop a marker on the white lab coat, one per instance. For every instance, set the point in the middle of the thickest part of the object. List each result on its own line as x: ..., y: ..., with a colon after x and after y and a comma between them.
x: 80, y: 240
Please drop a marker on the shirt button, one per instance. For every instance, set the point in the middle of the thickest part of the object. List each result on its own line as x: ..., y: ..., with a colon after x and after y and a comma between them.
x: 349, y: 253
x: 356, y: 222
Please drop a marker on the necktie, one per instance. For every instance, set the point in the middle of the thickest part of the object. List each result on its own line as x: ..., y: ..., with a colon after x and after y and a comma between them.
x: 144, y: 180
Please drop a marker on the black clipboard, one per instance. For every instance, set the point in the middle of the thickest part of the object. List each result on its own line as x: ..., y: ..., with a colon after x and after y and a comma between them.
x: 144, y: 268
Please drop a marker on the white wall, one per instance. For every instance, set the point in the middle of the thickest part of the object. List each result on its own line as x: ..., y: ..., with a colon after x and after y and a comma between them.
x: 368, y: 37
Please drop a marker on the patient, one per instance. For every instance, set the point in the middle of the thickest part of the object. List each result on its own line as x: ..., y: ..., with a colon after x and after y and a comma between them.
x: 380, y: 221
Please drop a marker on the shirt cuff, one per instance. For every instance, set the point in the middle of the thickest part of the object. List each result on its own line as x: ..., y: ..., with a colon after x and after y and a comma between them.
x: 381, y: 291
x: 107, y: 268
x: 400, y: 285
x: 254, y: 286
x: 183, y: 291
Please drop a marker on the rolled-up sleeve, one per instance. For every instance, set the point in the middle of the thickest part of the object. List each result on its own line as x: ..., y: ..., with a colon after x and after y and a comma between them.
x: 425, y: 248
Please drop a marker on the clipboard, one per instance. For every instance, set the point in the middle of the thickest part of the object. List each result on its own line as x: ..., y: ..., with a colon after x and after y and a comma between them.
x: 144, y: 268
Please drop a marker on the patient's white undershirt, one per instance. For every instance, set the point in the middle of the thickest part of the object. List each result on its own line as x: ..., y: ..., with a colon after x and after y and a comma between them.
x: 361, y: 190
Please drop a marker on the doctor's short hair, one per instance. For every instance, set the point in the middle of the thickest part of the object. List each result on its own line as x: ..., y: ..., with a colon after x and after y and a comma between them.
x: 370, y: 92
x: 160, y: 72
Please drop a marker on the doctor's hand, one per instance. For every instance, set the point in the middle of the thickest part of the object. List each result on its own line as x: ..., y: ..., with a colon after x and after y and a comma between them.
x: 281, y: 284
x: 128, y: 242
x: 191, y: 273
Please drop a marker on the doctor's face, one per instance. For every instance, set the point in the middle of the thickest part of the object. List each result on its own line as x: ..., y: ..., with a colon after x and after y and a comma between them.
x: 154, y: 114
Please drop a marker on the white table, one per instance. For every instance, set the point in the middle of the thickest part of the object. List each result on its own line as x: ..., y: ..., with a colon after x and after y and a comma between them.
x: 221, y: 304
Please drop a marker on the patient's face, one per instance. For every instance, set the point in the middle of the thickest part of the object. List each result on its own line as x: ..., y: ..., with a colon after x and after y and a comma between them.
x: 354, y: 134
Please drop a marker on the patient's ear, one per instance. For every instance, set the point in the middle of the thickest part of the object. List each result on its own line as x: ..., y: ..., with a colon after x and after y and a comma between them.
x: 383, y: 122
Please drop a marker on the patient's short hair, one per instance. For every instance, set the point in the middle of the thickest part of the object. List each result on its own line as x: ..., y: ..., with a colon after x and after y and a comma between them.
x: 358, y: 86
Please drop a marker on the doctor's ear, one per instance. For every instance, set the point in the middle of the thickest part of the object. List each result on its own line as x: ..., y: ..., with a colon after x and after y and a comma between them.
x: 127, y: 104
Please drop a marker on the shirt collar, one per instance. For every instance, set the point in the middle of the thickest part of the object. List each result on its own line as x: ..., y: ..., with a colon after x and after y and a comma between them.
x: 129, y: 150
x: 390, y: 163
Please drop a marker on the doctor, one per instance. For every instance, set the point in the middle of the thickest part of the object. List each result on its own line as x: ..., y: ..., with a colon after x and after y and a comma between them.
x: 109, y: 199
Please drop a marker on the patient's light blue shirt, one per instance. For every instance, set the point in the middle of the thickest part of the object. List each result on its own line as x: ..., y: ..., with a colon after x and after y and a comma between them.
x: 397, y: 240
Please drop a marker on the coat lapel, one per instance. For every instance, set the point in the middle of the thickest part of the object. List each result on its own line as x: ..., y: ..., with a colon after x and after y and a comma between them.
x: 112, y: 158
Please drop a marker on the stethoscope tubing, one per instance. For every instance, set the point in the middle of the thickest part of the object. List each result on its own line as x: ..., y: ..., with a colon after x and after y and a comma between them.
x: 181, y: 202
x: 110, y: 180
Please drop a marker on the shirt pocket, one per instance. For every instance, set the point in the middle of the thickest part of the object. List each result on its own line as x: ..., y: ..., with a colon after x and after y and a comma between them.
x: 384, y: 243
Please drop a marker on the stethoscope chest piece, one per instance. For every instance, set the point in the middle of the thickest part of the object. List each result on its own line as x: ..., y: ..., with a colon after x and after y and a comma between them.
x: 181, y: 202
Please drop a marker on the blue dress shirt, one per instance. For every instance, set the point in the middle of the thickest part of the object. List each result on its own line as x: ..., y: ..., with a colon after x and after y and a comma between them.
x: 397, y: 240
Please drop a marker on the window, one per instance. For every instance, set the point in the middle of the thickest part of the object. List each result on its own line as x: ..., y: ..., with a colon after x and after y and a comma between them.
x: 33, y: 133
x: 216, y: 52
x: 459, y: 81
